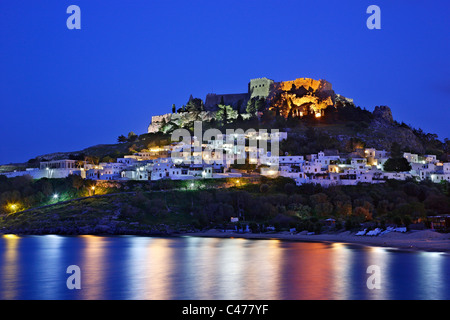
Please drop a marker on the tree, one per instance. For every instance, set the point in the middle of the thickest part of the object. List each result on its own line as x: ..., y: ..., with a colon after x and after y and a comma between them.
x: 77, y: 181
x: 132, y: 136
x: 92, y: 159
x: 264, y: 188
x: 407, y: 221
x: 225, y: 115
x: 174, y: 109
x: 447, y: 145
x: 122, y: 138
x: 396, y: 151
x: 195, y: 105
x: 108, y: 159
x: 260, y: 105
x: 289, y: 188
x: 239, y: 116
x: 396, y: 165
x: 411, y: 189
x: 363, y: 212
x: 397, y: 220
x: 323, y: 209
x: 239, y: 106
x: 437, y: 204
x: 251, y: 107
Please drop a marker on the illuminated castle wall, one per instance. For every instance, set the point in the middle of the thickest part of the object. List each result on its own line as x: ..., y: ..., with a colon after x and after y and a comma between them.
x: 296, y: 98
x: 301, y: 96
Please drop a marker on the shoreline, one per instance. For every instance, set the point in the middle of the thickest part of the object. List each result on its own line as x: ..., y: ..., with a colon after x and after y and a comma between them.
x: 424, y: 240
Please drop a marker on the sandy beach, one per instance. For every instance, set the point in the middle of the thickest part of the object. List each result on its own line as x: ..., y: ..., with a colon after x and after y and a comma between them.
x: 423, y: 240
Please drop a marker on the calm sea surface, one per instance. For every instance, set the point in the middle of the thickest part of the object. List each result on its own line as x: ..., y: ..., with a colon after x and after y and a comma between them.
x: 129, y: 267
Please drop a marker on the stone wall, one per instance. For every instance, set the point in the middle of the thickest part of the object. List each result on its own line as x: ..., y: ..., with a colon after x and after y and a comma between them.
x: 234, y: 100
x: 156, y: 122
x: 301, y: 96
x: 260, y: 88
x: 307, y: 83
x: 179, y: 119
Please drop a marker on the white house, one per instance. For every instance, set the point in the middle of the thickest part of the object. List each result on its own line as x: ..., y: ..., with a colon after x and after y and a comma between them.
x: 139, y: 173
x: 375, y: 154
x: 446, y: 167
x: 59, y: 169
x: 312, y: 167
x: 324, y: 160
x: 359, y: 163
x: 397, y: 175
x: 128, y: 161
x: 291, y: 160
x: 106, y: 171
x: 411, y: 157
x: 430, y: 158
x: 439, y: 177
x: 165, y: 171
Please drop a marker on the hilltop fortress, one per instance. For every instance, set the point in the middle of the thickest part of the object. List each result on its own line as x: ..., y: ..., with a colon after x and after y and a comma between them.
x: 296, y: 98
x: 257, y: 89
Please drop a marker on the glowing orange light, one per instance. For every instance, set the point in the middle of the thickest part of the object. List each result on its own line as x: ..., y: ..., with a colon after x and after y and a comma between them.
x: 10, y: 236
x: 318, y: 115
x: 13, y: 207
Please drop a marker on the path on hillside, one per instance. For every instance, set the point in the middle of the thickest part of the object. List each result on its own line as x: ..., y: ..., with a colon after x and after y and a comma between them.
x: 90, y: 197
x: 101, y: 196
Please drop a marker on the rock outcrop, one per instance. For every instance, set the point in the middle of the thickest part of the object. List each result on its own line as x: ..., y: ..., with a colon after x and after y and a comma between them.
x: 383, y: 113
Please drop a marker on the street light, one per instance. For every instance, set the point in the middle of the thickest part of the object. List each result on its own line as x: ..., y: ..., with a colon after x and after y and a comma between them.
x: 13, y: 207
x: 55, y: 196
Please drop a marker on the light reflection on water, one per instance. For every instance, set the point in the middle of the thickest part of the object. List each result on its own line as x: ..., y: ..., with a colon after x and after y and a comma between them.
x: 129, y: 267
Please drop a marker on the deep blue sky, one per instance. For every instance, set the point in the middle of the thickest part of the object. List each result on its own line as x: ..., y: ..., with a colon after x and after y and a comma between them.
x: 64, y: 90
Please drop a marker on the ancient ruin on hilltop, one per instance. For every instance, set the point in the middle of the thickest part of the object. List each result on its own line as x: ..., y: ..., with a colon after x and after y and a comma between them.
x: 296, y: 98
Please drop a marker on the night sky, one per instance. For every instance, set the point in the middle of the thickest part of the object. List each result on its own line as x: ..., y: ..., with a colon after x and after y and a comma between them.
x: 65, y: 90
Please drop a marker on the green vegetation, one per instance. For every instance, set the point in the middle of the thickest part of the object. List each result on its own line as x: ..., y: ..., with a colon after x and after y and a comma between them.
x: 68, y: 204
x: 396, y: 165
x: 344, y: 128
x: 150, y: 207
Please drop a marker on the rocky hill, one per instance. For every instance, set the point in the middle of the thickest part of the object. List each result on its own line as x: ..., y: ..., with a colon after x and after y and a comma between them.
x: 293, y: 106
x: 383, y: 132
